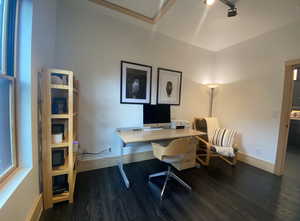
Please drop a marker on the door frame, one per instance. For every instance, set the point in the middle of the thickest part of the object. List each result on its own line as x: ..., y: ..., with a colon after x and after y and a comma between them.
x: 286, y: 108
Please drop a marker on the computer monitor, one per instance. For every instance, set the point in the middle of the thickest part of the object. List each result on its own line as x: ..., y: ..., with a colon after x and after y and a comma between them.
x: 156, y: 115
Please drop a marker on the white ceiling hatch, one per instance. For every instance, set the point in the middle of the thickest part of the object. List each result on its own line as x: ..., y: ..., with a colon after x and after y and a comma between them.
x: 146, y: 7
x: 195, y: 23
x: 146, y: 10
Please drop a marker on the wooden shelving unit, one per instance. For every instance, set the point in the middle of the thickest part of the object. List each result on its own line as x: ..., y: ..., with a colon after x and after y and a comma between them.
x: 49, y: 90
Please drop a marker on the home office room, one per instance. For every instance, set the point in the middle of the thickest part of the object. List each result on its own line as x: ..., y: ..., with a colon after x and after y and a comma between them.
x: 149, y: 110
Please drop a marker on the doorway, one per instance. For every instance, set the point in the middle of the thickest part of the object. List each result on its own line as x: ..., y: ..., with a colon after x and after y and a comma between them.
x: 288, y: 149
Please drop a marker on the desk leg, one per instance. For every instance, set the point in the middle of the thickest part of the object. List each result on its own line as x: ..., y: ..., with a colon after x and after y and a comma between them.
x: 121, y: 169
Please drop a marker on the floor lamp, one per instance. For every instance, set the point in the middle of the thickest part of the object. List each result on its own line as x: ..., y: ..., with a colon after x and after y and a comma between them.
x: 212, y: 88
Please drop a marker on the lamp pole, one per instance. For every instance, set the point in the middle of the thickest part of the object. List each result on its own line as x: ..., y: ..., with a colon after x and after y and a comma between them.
x: 211, y: 101
x: 212, y: 88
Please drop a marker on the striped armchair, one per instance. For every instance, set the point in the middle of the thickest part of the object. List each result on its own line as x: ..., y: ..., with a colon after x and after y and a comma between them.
x: 219, y: 142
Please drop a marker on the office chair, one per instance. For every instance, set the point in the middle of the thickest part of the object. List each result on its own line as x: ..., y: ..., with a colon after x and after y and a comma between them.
x: 219, y: 142
x: 181, y: 154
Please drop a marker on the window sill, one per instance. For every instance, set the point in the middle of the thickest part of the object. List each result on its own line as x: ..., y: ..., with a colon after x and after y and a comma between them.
x: 12, y: 183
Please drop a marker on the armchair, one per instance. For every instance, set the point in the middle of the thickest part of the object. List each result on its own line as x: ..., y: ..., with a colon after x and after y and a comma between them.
x: 218, y: 142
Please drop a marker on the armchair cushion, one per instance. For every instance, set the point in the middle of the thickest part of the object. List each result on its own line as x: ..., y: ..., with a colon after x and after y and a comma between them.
x: 224, y: 151
x: 223, y: 142
x: 223, y: 137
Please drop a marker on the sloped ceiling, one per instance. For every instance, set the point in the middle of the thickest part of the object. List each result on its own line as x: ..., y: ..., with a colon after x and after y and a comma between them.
x: 193, y: 22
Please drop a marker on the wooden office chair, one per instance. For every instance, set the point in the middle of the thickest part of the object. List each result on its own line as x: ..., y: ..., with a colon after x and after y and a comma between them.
x: 219, y: 142
x: 181, y: 154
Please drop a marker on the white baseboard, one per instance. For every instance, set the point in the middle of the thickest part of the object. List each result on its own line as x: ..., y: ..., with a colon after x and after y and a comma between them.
x: 264, y: 165
x: 37, y: 209
x: 98, y: 163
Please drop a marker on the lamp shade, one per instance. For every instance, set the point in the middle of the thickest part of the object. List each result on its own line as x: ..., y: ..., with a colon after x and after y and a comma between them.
x: 212, y: 85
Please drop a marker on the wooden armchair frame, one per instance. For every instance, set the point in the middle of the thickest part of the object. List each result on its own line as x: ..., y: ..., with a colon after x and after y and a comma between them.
x: 209, y: 154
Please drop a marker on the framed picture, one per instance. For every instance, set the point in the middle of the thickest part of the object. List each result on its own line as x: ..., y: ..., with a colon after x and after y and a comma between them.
x: 136, y: 81
x: 168, y: 86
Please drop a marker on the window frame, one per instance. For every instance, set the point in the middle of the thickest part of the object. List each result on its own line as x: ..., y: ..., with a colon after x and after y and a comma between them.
x: 9, y: 31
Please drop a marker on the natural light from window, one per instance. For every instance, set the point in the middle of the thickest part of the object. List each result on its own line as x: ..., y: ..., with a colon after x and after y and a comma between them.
x: 6, y: 161
x: 1, y: 32
x: 7, y: 87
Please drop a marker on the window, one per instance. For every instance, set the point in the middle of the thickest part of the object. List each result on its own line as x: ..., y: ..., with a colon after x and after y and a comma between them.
x: 8, y: 157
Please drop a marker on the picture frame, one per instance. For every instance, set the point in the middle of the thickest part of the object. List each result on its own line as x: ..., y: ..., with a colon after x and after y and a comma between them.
x: 169, y: 83
x: 136, y: 83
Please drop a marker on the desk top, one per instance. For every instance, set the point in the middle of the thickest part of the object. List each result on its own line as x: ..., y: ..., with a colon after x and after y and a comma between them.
x: 155, y: 135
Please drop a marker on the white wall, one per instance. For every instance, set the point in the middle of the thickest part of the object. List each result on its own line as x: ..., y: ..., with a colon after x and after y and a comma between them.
x: 38, y: 48
x: 250, y: 99
x: 93, y: 44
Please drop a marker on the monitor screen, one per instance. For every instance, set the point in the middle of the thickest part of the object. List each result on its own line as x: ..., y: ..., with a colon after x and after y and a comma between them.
x: 157, y: 114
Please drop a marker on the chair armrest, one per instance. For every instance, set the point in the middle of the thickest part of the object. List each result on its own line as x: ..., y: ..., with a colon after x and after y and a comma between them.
x: 203, y: 141
x: 158, y: 150
x: 236, y: 148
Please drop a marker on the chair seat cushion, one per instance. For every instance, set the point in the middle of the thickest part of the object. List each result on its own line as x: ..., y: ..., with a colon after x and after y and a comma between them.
x: 224, y: 151
x: 171, y: 159
x: 213, y: 149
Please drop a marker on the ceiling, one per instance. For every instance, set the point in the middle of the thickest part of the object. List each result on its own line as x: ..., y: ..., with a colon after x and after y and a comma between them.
x: 193, y: 22
x: 144, y: 7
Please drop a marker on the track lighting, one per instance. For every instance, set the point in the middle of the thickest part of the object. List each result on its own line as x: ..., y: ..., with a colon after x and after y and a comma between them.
x: 232, y: 11
x: 209, y: 2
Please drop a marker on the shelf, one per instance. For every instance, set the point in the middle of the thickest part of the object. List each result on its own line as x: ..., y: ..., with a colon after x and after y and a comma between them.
x: 52, y: 88
x: 57, y: 172
x: 294, y: 118
x: 59, y: 145
x: 60, y: 86
x: 63, y: 116
x: 60, y: 116
x: 61, y: 197
x: 64, y: 169
x: 59, y: 71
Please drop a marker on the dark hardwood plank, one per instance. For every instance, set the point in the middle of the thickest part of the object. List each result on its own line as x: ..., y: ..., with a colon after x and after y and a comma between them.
x: 220, y: 192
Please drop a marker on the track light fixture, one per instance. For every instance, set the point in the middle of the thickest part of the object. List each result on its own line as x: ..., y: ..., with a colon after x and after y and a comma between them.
x: 209, y: 2
x: 232, y: 11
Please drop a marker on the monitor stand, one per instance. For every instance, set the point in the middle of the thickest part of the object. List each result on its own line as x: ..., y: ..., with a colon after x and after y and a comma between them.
x: 151, y: 127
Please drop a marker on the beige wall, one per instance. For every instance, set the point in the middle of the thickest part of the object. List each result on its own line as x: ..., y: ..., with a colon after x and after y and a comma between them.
x: 93, y: 44
x: 250, y: 99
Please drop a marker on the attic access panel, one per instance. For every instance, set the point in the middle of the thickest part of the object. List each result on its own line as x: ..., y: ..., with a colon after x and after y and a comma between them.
x: 149, y: 11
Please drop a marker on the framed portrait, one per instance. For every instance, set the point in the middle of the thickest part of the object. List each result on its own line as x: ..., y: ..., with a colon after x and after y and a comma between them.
x: 136, y: 81
x: 168, y: 86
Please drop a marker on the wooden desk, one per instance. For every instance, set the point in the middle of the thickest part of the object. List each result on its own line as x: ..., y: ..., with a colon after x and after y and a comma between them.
x: 156, y: 135
x: 133, y: 136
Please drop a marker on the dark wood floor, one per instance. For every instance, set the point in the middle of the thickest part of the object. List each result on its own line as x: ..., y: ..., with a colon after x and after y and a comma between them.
x: 220, y: 192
